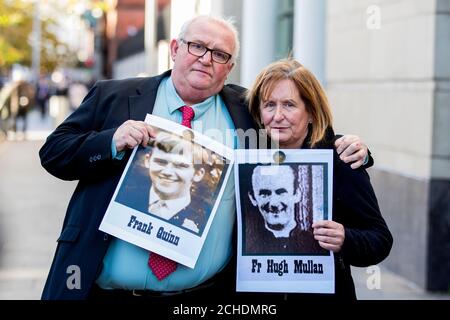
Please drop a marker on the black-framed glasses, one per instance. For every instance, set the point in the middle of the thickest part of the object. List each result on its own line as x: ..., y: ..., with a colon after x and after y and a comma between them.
x: 199, y: 50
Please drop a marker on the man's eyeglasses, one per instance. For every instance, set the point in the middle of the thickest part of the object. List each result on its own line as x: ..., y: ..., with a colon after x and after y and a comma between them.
x: 199, y: 50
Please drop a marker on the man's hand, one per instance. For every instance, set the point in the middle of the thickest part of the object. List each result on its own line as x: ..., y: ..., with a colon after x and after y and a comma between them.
x: 330, y: 234
x: 131, y: 133
x: 351, y: 149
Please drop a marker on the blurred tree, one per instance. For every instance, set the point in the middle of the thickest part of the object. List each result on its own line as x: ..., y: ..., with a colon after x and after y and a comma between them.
x: 16, y: 21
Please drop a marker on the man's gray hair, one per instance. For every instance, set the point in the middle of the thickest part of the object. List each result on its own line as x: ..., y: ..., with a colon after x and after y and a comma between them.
x: 226, y: 22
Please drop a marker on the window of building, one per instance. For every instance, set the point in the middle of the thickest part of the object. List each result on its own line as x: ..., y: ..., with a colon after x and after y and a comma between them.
x: 285, y: 29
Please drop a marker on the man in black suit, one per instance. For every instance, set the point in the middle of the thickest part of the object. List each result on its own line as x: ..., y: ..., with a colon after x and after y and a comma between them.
x: 94, y: 143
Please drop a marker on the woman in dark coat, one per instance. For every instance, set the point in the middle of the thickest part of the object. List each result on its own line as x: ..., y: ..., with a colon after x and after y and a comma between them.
x: 290, y: 104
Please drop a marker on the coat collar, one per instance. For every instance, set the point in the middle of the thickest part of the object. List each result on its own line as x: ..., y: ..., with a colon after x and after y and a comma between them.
x: 144, y: 100
x: 237, y: 107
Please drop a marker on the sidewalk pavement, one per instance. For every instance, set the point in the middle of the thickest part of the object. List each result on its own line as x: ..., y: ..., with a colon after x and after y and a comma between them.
x: 32, y: 206
x: 392, y: 287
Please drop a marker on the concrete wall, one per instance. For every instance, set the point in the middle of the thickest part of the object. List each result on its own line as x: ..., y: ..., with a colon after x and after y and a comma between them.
x: 385, y: 76
x: 391, y: 86
x: 441, y: 131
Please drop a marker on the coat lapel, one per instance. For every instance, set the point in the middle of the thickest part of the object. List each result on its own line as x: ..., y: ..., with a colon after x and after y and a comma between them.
x: 144, y: 100
x: 237, y: 107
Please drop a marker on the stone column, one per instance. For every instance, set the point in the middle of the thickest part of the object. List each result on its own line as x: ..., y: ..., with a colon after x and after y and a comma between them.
x: 309, y: 35
x: 258, y: 37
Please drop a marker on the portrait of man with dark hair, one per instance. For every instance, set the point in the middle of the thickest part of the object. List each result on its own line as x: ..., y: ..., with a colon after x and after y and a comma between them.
x: 168, y: 180
x: 271, y: 199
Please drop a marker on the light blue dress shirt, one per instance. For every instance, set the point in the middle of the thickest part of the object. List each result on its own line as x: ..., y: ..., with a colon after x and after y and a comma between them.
x: 125, y: 265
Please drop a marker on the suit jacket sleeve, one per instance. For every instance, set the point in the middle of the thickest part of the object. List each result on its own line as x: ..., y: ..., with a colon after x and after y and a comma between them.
x: 368, y: 240
x: 81, y: 146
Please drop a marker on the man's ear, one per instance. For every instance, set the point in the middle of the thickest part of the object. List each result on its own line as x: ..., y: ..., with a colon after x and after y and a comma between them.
x: 199, y: 174
x: 174, y: 48
x: 230, y: 67
x: 252, y: 199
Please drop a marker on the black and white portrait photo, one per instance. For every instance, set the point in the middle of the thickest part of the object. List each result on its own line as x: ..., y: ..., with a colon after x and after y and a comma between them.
x: 277, y: 203
x: 173, y: 179
x: 280, y: 195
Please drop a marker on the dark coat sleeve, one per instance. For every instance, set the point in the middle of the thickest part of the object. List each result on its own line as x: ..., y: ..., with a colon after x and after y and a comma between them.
x: 368, y: 240
x: 81, y: 146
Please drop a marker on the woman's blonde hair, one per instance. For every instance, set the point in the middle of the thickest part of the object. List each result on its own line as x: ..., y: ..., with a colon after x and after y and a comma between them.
x: 309, y: 88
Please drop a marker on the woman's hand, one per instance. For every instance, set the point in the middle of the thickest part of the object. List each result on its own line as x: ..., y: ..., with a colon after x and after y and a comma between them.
x: 330, y: 234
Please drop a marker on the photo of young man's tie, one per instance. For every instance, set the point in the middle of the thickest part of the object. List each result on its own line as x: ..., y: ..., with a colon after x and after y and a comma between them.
x: 162, y: 266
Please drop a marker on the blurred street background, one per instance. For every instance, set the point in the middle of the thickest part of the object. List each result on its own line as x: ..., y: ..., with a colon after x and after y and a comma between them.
x: 383, y: 63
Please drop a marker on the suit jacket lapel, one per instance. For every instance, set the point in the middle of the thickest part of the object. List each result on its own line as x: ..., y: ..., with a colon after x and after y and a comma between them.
x: 144, y: 100
x: 237, y: 107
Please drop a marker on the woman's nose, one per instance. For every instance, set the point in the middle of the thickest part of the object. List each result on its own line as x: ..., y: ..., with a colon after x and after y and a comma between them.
x: 278, y: 116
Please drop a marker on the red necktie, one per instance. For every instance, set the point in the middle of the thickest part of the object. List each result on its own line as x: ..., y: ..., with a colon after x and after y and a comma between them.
x: 188, y: 115
x: 162, y: 266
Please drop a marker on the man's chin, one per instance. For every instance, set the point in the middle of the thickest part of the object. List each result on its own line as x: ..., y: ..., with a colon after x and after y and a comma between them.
x: 166, y: 194
x: 202, y: 74
x: 276, y: 226
x: 201, y: 85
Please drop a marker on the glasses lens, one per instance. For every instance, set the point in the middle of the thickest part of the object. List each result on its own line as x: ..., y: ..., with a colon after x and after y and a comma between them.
x: 196, y: 49
x: 220, y: 57
x: 199, y: 50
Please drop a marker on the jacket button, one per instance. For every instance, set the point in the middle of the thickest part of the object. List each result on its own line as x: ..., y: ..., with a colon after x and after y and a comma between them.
x: 105, y: 237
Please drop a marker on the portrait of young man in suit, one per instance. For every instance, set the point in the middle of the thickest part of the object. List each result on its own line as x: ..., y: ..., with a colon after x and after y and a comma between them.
x: 163, y: 181
x: 174, y: 164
